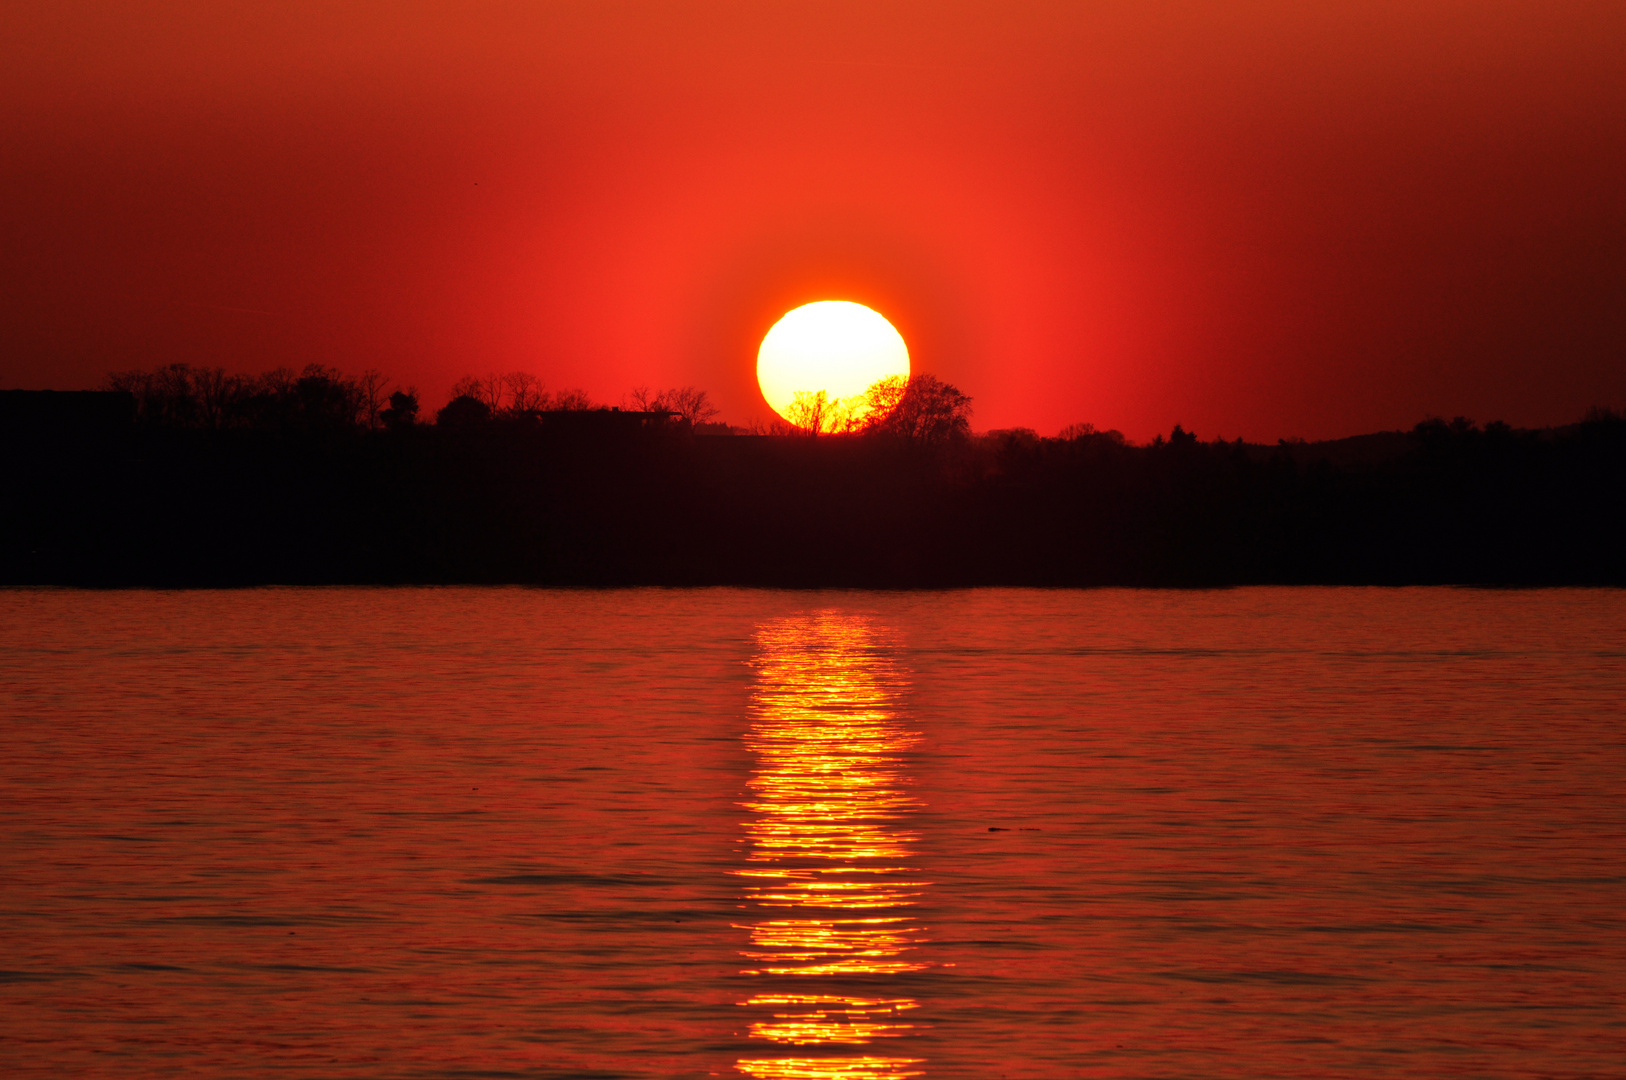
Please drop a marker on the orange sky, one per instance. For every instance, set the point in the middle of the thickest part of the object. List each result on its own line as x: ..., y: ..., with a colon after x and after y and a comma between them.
x: 1249, y: 218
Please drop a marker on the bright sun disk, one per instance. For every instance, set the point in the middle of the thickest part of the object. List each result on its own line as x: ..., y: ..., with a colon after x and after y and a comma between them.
x: 836, y: 346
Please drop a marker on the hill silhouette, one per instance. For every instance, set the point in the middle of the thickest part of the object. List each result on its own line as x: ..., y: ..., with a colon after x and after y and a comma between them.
x: 306, y: 482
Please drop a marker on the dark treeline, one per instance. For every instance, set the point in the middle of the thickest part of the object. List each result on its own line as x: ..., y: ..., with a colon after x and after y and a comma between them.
x: 319, y: 398
x: 318, y: 478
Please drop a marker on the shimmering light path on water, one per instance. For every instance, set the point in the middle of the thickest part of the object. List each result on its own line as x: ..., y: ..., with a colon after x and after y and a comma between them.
x: 361, y: 833
x: 831, y: 844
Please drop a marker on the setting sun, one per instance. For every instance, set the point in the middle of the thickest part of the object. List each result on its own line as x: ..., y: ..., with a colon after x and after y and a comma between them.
x: 834, y: 346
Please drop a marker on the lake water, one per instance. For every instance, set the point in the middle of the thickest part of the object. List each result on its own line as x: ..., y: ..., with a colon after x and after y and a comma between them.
x: 777, y: 835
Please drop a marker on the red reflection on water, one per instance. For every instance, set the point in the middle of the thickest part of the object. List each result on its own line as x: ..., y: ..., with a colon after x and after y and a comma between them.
x: 830, y: 843
x: 1296, y: 833
x: 852, y: 1068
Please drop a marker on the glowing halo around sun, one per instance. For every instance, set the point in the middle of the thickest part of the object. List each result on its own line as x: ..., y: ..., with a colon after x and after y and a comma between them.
x: 836, y: 346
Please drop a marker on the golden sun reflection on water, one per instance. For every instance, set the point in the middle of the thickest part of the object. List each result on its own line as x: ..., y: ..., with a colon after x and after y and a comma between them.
x: 828, y: 864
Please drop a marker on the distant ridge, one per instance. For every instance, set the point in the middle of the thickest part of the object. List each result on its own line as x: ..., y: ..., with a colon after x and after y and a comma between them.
x: 90, y: 497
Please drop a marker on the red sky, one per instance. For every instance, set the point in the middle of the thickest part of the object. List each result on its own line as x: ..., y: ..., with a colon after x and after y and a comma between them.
x: 1265, y: 219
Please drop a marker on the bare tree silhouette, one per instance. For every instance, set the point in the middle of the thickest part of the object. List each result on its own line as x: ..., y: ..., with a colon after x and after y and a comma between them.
x: 525, y: 392
x: 1080, y: 432
x: 488, y: 390
x: 509, y: 394
x: 688, y: 402
x: 372, y: 384
x: 181, y: 396
x: 573, y: 401
x: 811, y: 411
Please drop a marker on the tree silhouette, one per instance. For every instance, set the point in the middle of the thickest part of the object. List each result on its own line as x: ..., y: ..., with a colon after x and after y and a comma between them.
x: 488, y: 391
x: 165, y: 397
x: 403, y: 410
x: 371, y: 385
x: 883, y: 397
x: 1088, y: 433
x: 525, y: 393
x: 573, y: 401
x: 181, y: 396
x: 463, y: 412
x: 920, y: 409
x: 325, y: 398
x: 811, y: 412
x: 688, y: 402
x: 191, y: 493
x: 518, y: 394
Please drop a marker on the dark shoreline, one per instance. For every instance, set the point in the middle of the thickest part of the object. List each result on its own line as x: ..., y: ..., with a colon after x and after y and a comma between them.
x: 516, y: 504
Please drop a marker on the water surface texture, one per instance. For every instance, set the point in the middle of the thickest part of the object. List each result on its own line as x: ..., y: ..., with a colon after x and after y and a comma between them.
x: 807, y: 836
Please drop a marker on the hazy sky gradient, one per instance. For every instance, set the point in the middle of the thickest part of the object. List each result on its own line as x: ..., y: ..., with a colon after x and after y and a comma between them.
x: 1250, y: 218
